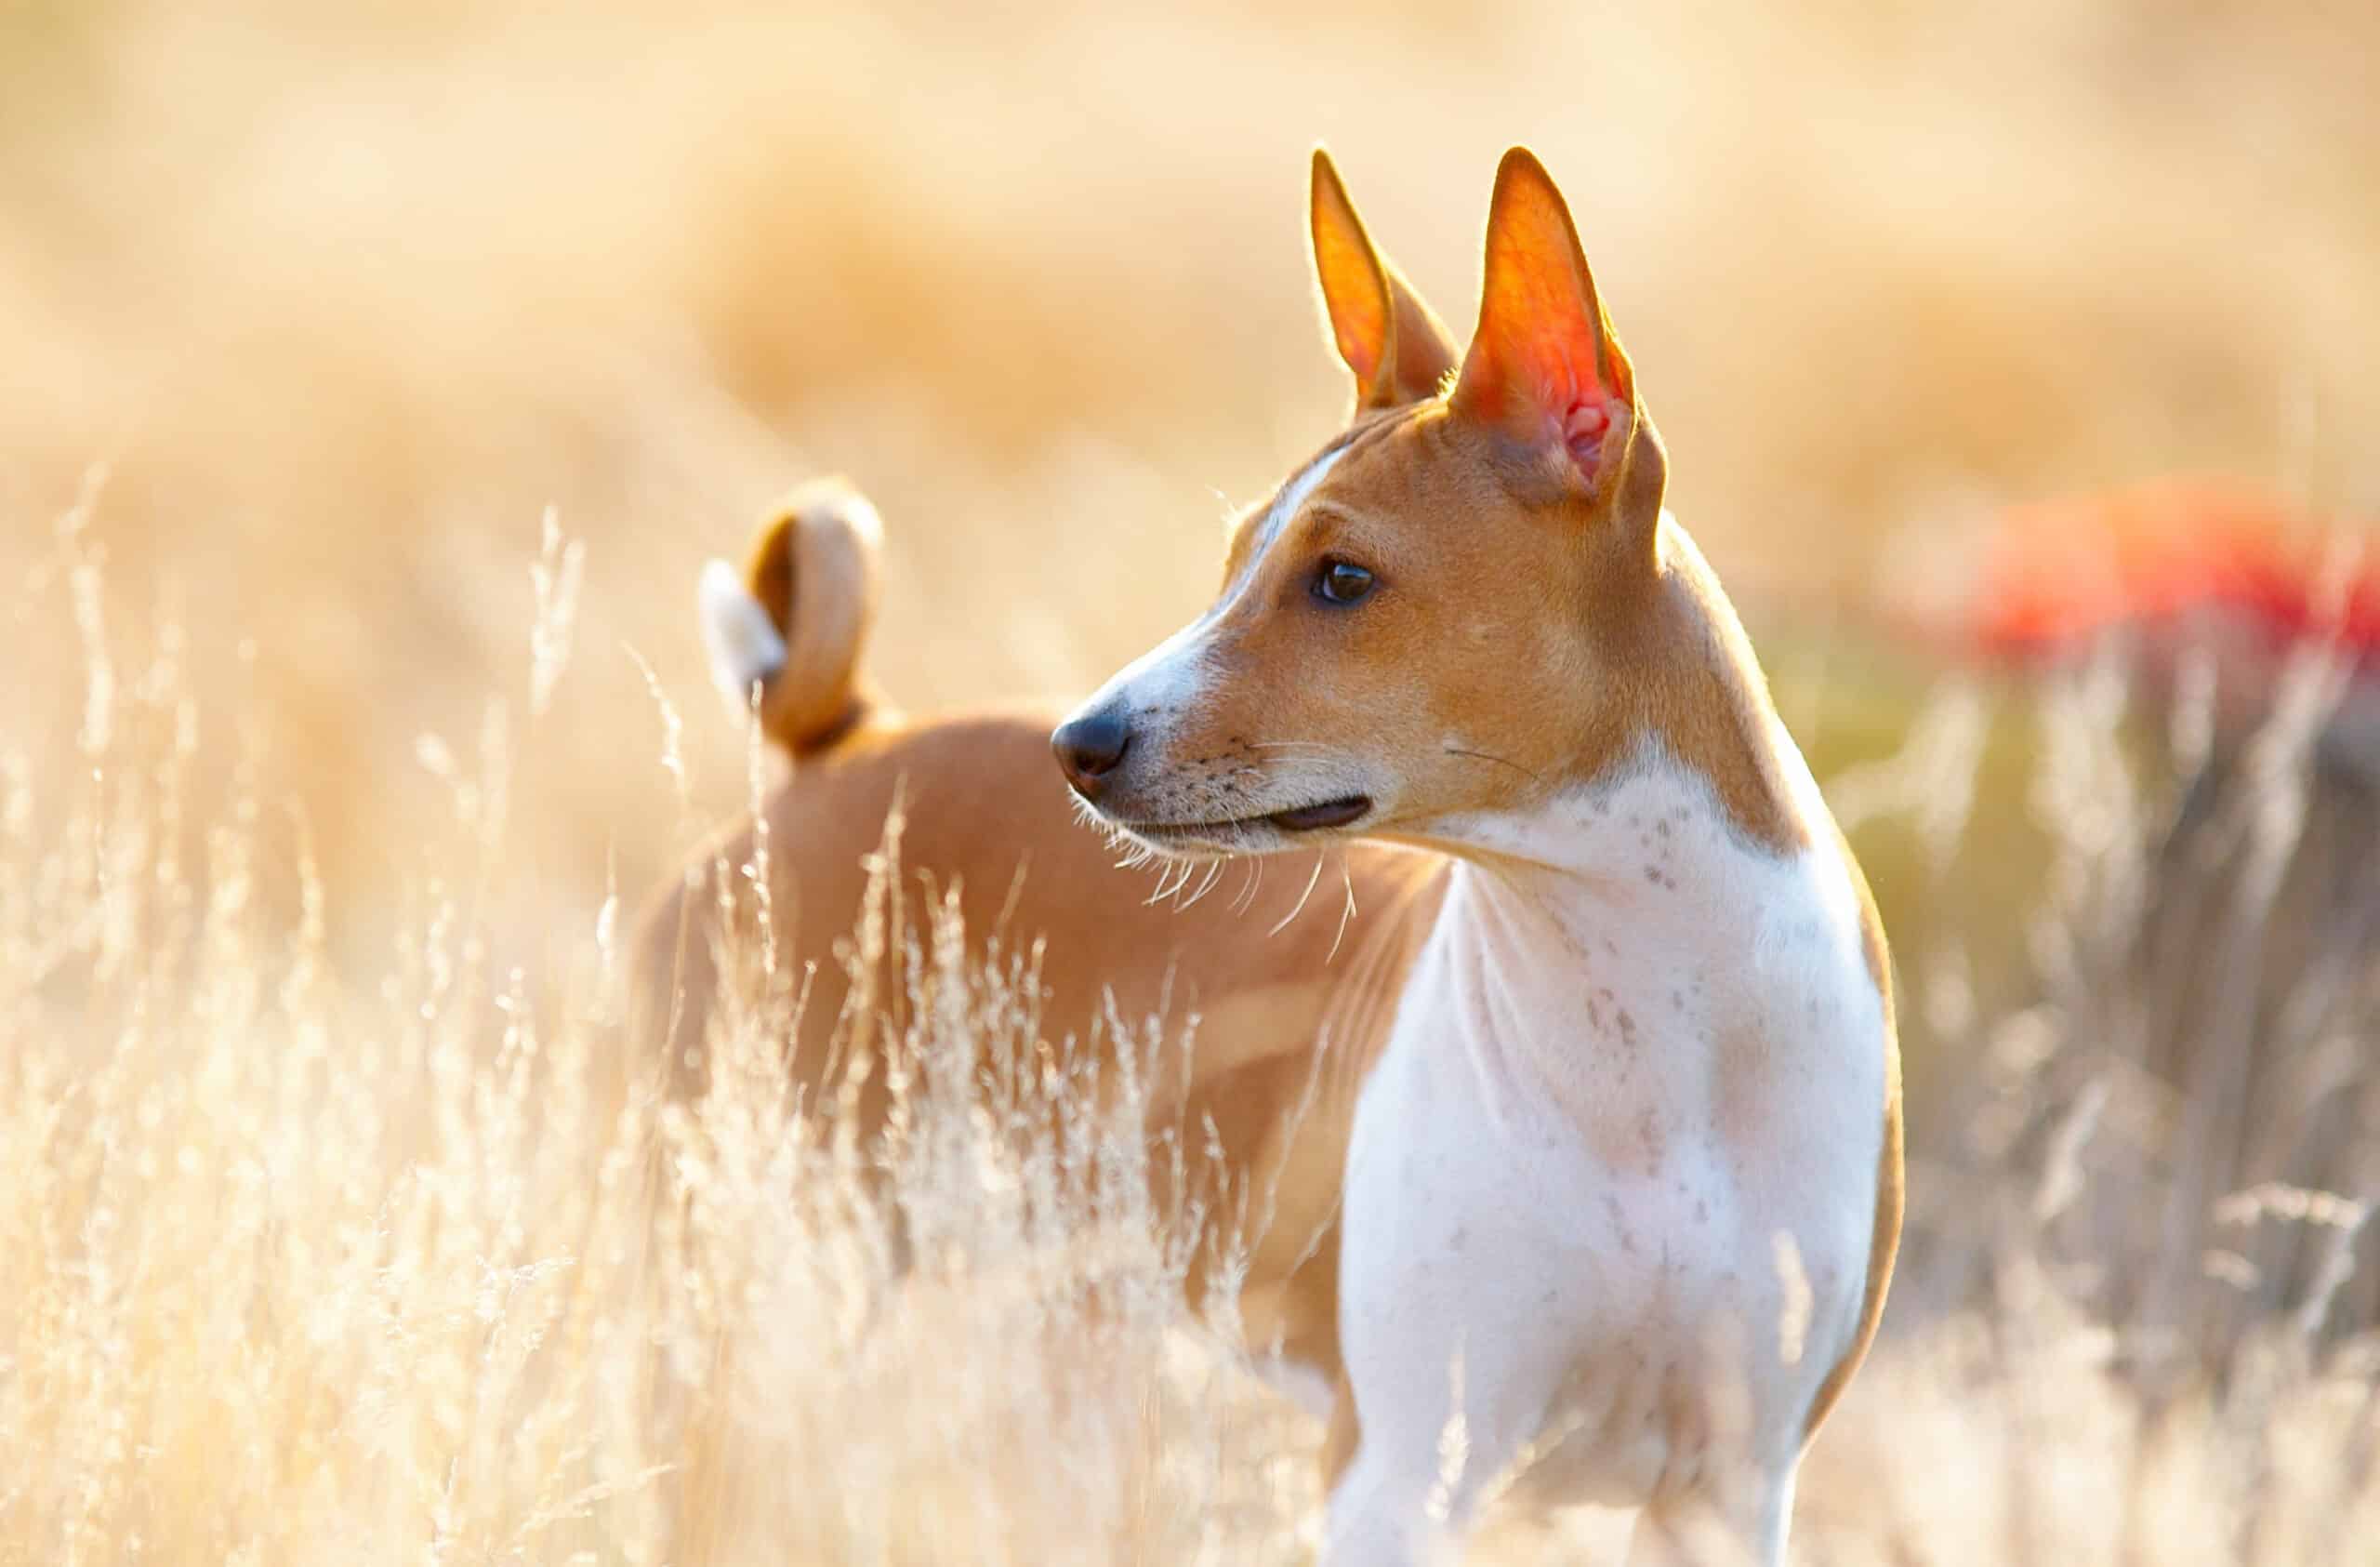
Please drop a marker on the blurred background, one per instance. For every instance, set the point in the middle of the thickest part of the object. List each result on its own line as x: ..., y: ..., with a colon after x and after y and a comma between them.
x: 344, y: 298
x: 1975, y: 332
x: 363, y: 365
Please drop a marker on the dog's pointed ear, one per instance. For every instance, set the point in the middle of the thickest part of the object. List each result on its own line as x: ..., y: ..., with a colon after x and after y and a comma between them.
x: 1545, y: 367
x: 1397, y: 348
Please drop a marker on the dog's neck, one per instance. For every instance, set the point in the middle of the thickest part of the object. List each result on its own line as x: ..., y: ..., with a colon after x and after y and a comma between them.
x: 1606, y: 944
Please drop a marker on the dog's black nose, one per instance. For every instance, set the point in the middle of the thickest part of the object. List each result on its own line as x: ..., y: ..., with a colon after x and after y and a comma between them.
x: 1089, y: 747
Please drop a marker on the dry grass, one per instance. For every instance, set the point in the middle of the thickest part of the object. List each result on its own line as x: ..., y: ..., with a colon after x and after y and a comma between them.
x: 296, y: 1270
x: 296, y: 1266
x: 331, y: 1226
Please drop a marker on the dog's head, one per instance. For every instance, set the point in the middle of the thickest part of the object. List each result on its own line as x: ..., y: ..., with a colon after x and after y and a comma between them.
x: 1435, y: 618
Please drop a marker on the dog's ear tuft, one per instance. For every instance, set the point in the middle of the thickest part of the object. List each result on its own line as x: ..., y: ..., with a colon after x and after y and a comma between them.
x: 1544, y: 366
x: 1396, y: 347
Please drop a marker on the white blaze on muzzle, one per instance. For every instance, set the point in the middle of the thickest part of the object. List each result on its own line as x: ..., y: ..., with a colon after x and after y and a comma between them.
x: 1170, y: 679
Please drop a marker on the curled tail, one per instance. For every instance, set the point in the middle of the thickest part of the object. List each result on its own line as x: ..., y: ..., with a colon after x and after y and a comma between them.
x: 796, y: 618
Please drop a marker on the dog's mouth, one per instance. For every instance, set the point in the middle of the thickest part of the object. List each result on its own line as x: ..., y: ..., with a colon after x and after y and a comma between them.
x: 1345, y: 811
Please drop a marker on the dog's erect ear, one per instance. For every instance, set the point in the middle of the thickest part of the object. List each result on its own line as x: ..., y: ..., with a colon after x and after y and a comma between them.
x: 1544, y: 366
x: 1397, y: 349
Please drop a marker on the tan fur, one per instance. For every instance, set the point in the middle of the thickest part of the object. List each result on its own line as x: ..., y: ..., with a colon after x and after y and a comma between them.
x: 987, y: 812
x: 1605, y: 627
x: 815, y: 574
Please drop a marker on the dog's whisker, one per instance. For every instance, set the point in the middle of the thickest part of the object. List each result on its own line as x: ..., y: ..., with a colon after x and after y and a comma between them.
x: 1247, y: 895
x: 1299, y: 909
x: 1347, y: 914
x: 1214, y: 873
x: 1500, y: 760
x: 1166, y: 882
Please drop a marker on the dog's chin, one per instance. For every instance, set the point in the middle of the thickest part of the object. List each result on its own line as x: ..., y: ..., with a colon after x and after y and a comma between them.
x: 1274, y: 832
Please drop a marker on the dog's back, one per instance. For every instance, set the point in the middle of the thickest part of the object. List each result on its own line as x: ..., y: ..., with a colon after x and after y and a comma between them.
x: 1307, y: 954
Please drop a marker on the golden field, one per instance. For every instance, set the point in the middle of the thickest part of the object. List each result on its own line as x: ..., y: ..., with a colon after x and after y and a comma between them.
x: 328, y: 764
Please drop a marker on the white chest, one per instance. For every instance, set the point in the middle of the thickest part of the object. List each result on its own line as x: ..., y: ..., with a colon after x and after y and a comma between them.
x: 1613, y: 1180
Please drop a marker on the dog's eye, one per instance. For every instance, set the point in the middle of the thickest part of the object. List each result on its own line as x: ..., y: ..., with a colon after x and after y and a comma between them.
x: 1340, y: 582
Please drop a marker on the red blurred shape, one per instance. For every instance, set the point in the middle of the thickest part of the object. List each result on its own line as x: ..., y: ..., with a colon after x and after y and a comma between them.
x: 2057, y: 573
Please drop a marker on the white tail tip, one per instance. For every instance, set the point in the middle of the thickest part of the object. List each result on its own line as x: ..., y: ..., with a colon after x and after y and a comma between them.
x: 743, y: 642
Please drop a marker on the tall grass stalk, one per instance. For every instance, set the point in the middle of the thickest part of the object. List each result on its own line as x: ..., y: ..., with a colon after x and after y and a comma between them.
x: 299, y: 1263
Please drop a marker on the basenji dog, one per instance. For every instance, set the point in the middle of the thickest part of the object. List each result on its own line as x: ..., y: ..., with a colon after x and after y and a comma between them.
x: 1600, y: 1202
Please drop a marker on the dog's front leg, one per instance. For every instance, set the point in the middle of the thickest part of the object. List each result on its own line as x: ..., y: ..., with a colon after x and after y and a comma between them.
x: 1377, y: 1515
x: 1450, y: 1354
x: 1432, y: 1457
x: 1736, y: 1517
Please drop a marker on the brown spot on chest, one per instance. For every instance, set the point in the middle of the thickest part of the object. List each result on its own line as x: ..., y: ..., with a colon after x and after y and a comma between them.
x: 1652, y: 1140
